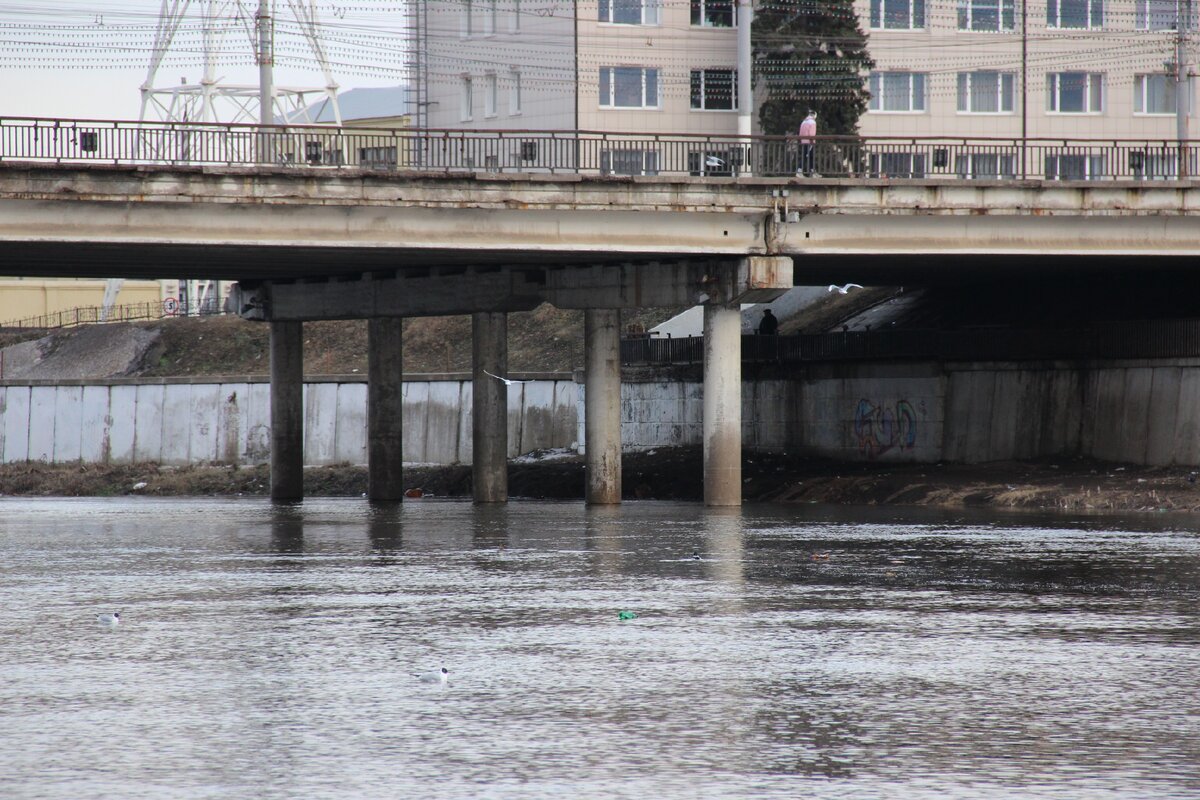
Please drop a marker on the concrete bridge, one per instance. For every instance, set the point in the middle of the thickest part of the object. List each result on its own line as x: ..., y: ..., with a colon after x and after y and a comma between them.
x: 309, y: 242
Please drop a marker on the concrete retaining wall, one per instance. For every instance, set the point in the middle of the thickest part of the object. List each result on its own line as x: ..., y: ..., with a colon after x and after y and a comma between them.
x: 182, y: 422
x: 1140, y: 412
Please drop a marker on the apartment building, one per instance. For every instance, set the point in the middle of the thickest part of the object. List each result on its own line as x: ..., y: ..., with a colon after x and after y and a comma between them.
x: 1099, y: 69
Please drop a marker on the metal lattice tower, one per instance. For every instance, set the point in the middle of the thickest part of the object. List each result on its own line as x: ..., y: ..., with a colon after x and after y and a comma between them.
x: 213, y: 100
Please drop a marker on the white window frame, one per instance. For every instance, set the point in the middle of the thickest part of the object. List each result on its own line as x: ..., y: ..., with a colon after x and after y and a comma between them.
x: 514, y: 93
x: 466, y: 99
x: 490, y: 14
x: 969, y: 9
x: 1054, y: 93
x: 1142, y: 17
x: 704, y: 77
x: 647, y: 161
x: 1002, y: 78
x: 879, y: 18
x: 876, y: 81
x: 467, y: 20
x: 1095, y: 16
x: 650, y: 12
x: 649, y: 103
x: 1139, y: 94
x: 514, y: 19
x: 705, y: 21
x: 490, y: 94
x: 1093, y: 166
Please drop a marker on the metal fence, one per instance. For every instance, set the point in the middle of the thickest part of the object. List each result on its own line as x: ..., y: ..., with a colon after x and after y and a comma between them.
x: 128, y: 312
x: 592, y: 153
x: 1147, y: 339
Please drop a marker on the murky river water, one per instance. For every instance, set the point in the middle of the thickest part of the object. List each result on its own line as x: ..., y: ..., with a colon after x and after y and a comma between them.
x: 813, y: 652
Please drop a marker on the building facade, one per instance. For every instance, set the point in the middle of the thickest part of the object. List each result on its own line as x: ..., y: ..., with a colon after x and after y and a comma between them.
x: 1100, y: 69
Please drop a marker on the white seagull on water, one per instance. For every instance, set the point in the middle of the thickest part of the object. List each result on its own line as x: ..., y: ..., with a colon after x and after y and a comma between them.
x: 844, y: 289
x: 110, y: 621
x: 507, y: 381
x: 440, y: 677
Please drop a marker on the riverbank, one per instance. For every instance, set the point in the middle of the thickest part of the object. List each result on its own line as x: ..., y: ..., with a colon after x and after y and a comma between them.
x: 676, y: 474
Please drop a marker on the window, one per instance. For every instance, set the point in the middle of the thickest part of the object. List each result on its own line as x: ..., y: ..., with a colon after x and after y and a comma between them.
x: 985, y: 165
x: 897, y: 14
x: 628, y: 87
x: 986, y: 15
x: 1074, y: 167
x: 903, y: 164
x: 1075, y: 13
x: 514, y: 20
x: 629, y: 12
x: 897, y: 91
x: 714, y: 13
x: 514, y: 94
x: 1155, y: 15
x: 1154, y: 94
x: 467, y: 23
x: 465, y: 109
x: 1075, y: 92
x: 377, y: 157
x: 986, y: 92
x: 490, y: 13
x: 629, y: 162
x: 489, y: 94
x: 1156, y: 163
x: 714, y: 89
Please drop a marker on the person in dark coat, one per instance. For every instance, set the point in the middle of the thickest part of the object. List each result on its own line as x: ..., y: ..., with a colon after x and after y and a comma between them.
x: 769, y: 325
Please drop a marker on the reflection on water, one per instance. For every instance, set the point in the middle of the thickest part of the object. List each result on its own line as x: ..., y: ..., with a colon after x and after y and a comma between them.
x: 269, y: 651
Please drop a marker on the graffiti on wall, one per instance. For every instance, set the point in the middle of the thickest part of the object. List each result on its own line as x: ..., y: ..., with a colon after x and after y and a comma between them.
x: 880, y: 427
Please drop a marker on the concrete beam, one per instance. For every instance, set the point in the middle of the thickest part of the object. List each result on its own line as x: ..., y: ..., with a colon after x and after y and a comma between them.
x: 489, y: 408
x: 385, y: 409
x: 722, y: 405
x: 602, y: 405
x: 287, y: 411
x: 754, y: 279
x: 393, y: 296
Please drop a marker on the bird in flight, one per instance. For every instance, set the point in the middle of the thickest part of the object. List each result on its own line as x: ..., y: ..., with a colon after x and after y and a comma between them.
x: 844, y: 289
x: 507, y: 381
x: 713, y: 161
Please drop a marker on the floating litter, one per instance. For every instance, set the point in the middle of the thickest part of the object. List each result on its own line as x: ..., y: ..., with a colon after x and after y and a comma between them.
x: 627, y: 615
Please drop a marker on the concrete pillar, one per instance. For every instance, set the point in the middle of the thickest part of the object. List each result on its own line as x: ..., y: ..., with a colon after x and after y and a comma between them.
x: 287, y: 410
x: 489, y: 407
x: 385, y: 404
x: 602, y: 404
x: 722, y: 405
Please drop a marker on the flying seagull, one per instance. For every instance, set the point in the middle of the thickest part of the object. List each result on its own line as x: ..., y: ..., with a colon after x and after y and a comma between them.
x: 507, y: 381
x: 844, y: 289
x: 713, y: 161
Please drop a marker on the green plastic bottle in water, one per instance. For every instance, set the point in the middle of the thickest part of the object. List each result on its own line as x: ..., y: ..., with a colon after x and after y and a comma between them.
x: 627, y: 615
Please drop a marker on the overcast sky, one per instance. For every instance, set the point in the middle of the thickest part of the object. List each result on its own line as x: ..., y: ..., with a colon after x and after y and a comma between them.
x: 64, y: 58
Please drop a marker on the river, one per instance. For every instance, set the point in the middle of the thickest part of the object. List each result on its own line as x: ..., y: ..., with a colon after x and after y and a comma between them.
x: 818, y: 652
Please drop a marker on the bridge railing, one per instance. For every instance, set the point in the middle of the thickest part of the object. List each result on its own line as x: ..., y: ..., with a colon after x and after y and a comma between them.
x: 592, y: 152
x: 1139, y: 339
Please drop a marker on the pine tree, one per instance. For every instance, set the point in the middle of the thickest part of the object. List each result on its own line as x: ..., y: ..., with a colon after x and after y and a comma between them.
x: 809, y: 54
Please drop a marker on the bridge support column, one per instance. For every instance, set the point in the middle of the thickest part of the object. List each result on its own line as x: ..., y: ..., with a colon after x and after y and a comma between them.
x: 722, y: 405
x: 602, y: 405
x: 489, y: 407
x: 287, y: 410
x: 385, y: 409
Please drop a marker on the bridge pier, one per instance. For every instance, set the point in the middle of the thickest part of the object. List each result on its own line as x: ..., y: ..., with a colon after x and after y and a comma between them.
x: 385, y: 409
x: 489, y: 407
x: 287, y: 410
x: 722, y: 405
x: 602, y: 405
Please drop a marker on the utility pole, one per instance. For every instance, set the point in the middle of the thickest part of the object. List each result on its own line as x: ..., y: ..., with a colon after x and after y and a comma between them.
x: 1024, y: 86
x: 745, y: 90
x: 1183, y: 83
x: 266, y: 63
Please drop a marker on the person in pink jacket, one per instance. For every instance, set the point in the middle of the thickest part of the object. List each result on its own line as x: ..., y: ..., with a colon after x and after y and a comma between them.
x: 808, y: 140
